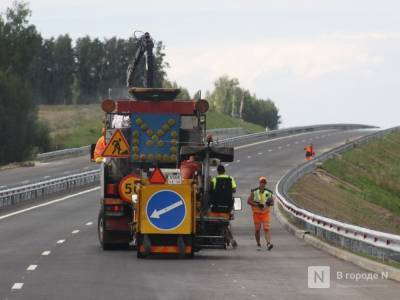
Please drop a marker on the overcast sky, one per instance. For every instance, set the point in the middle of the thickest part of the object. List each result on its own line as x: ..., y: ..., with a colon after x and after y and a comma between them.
x: 320, y: 61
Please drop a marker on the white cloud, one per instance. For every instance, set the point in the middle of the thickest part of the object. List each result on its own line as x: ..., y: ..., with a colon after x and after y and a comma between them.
x: 306, y: 60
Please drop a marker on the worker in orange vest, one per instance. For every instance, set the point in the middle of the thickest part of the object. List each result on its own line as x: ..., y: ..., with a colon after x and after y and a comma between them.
x: 309, y: 152
x: 260, y: 200
x: 100, y: 146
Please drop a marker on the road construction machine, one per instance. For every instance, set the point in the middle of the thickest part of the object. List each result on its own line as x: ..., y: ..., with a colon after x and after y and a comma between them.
x: 155, y: 175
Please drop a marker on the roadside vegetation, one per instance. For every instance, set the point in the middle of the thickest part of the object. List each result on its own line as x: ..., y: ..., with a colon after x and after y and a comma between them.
x: 360, y: 187
x: 59, y: 71
x: 79, y: 125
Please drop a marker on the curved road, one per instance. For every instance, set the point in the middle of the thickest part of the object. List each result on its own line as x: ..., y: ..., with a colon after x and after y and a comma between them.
x: 52, y: 252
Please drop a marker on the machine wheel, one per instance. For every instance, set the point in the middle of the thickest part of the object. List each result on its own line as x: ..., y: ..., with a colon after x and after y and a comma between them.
x: 101, y: 232
x: 139, y: 243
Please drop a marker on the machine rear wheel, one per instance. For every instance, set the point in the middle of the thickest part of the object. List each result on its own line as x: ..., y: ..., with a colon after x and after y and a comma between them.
x: 101, y: 232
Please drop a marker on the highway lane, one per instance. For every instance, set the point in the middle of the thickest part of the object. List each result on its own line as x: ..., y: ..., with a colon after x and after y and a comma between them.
x: 44, y: 171
x: 77, y: 268
x: 54, y: 169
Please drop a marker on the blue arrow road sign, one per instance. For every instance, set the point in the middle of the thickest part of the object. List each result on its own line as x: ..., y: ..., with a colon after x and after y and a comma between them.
x: 166, y: 210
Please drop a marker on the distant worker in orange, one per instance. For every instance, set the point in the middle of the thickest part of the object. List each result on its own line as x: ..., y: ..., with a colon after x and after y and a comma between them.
x: 100, y: 146
x: 260, y: 200
x: 309, y: 152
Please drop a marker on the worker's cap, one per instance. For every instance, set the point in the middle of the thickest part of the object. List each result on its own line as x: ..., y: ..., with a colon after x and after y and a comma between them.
x: 220, y: 168
x: 262, y: 179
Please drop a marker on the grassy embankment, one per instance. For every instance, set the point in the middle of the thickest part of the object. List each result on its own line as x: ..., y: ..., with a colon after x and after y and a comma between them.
x: 79, y: 125
x: 361, y: 187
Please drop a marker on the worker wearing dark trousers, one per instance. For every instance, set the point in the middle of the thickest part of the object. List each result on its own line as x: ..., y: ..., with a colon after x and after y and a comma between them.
x: 260, y: 200
x: 221, y: 175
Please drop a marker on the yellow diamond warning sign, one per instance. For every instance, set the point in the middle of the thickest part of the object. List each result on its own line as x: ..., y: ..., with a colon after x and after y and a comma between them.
x: 117, y: 146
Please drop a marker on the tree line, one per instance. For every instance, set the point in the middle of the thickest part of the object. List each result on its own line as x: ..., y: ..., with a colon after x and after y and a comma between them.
x: 35, y: 70
x: 229, y: 98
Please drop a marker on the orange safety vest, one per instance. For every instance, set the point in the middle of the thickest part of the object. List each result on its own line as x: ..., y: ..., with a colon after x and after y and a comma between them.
x: 100, y: 146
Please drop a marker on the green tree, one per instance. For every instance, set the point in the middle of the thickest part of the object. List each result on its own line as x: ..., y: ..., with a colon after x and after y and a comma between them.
x: 19, y: 43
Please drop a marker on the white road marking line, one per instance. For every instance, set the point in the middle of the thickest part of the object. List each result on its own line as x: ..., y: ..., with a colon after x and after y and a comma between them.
x: 48, y: 203
x: 17, y: 286
x: 271, y: 140
x: 269, y: 150
x: 47, y: 252
x: 60, y: 241
x: 234, y: 280
x: 226, y: 165
x: 238, y: 161
x: 249, y: 156
x: 310, y: 139
x: 89, y: 223
x: 75, y: 231
x: 25, y: 181
x: 3, y: 186
x: 259, y: 153
x: 45, y: 177
x: 213, y: 169
x: 31, y: 268
x: 296, y: 143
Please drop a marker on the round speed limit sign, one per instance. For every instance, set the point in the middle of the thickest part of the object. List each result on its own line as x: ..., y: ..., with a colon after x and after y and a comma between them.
x: 126, y: 187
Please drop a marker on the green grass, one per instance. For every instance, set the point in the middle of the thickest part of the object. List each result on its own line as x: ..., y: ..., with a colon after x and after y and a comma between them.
x: 374, y: 169
x: 78, y: 125
x: 218, y: 120
x: 361, y: 187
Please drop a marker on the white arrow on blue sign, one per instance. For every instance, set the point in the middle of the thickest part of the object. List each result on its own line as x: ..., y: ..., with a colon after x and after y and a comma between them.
x: 166, y: 210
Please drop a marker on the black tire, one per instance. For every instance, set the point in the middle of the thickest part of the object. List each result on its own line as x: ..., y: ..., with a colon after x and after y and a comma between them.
x: 138, y: 244
x: 102, y: 235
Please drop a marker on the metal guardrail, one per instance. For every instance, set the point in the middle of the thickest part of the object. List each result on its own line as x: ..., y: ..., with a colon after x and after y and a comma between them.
x: 28, y: 192
x: 220, y: 132
x: 33, y: 191
x: 358, y: 239
x: 245, y: 139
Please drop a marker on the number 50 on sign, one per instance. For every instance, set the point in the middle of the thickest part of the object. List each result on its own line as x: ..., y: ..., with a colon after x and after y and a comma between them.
x: 126, y: 187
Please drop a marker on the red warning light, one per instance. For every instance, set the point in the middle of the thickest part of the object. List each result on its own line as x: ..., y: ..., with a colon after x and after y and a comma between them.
x: 157, y: 177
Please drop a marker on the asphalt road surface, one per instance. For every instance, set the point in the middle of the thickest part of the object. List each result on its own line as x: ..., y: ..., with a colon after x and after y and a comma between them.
x: 52, y: 252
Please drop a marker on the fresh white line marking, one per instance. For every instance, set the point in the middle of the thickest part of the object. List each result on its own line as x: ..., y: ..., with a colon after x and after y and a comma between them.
x: 226, y: 165
x: 75, y: 231
x: 3, y: 186
x: 45, y: 177
x: 238, y: 161
x: 271, y: 140
x: 17, y: 286
x: 213, y: 169
x: 249, y: 156
x: 25, y: 181
x: 89, y: 223
x: 259, y: 153
x: 48, y: 203
x: 46, y: 252
x: 31, y: 268
x: 269, y: 150
x: 60, y: 241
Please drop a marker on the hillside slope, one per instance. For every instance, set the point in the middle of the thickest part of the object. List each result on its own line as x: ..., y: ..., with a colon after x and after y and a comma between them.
x: 79, y: 125
x: 361, y: 187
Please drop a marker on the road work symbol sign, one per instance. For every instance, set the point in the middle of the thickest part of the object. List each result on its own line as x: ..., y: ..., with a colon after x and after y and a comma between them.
x: 117, y: 146
x: 166, y: 210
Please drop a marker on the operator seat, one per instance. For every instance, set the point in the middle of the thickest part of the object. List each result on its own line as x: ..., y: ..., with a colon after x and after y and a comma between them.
x: 222, y: 196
